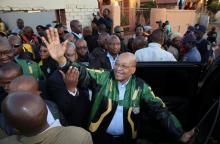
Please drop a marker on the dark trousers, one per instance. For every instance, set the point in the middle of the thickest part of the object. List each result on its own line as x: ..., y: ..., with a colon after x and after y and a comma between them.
x: 106, y: 138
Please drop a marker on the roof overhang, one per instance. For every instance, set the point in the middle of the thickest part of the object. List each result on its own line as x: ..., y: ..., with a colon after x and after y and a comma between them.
x: 26, y: 5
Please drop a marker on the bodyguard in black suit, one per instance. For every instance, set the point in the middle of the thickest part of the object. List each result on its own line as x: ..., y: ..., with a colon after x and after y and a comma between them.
x: 105, y: 59
x: 76, y: 28
x: 74, y: 108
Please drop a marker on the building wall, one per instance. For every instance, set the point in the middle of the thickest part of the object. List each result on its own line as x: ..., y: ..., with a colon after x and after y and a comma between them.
x: 30, y: 19
x: 179, y: 19
x: 74, y: 9
x: 81, y: 10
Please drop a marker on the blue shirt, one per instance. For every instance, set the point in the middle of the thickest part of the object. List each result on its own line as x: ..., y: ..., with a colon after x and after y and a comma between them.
x: 116, y: 126
x: 192, y: 55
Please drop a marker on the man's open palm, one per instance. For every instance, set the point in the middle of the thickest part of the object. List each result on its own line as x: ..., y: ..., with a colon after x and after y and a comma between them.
x: 55, y: 48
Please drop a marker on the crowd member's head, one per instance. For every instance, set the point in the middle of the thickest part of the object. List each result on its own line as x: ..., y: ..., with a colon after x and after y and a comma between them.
x: 119, y: 31
x: 189, y: 41
x: 40, y: 30
x: 6, y: 52
x: 139, y: 43
x: 20, y: 23
x: 175, y: 39
x: 103, y: 40
x: 26, y: 84
x: 87, y: 31
x: 9, y: 72
x: 213, y: 28
x: 76, y: 26
x: 16, y: 44
x: 26, y: 112
x: 199, y: 31
x: 125, y: 67
x: 139, y: 30
x: 69, y: 37
x: 94, y: 27
x: 28, y: 31
x: 60, y: 28
x: 157, y: 36
x: 81, y: 48
x: 71, y: 53
x: 147, y: 30
x: 44, y: 54
x: 114, y: 45
x: 102, y: 28
x: 106, y: 12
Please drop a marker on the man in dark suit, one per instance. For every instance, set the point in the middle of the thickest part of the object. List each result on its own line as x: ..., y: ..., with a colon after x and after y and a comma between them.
x: 76, y: 28
x: 62, y: 89
x: 107, y: 59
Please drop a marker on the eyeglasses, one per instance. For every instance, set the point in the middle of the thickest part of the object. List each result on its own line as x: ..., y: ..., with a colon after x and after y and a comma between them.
x: 123, y: 66
x: 16, y: 45
x: 82, y: 47
x: 119, y: 31
x: 43, y: 51
x: 5, y: 52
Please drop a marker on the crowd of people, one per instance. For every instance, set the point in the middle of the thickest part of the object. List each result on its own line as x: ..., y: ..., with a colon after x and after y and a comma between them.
x: 79, y: 87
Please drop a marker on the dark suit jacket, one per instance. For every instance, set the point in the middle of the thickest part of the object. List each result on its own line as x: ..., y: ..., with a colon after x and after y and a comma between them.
x: 98, y: 60
x: 74, y: 108
x: 75, y: 36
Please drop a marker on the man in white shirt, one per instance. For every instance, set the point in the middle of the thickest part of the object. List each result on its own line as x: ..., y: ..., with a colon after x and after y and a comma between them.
x: 20, y: 26
x: 154, y: 51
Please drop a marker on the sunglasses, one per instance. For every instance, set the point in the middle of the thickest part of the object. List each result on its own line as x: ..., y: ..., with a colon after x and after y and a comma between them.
x: 119, y: 31
x: 16, y: 45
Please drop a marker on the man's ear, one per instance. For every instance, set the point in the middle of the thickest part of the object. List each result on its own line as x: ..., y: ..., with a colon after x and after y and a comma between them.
x: 38, y: 93
x: 133, y: 70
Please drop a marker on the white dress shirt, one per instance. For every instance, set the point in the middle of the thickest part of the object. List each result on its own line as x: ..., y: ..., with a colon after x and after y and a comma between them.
x: 116, y: 126
x: 80, y: 36
x: 112, y: 59
x: 153, y: 52
x: 50, y: 118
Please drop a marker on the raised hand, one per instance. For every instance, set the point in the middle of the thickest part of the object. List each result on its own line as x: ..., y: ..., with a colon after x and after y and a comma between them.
x: 55, y: 48
x: 71, y: 78
x: 185, y: 138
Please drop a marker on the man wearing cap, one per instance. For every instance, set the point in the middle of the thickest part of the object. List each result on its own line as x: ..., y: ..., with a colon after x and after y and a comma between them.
x: 201, y: 43
x: 192, y: 54
x: 40, y: 30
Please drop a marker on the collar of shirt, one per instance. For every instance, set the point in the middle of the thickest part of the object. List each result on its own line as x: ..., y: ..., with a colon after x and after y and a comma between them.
x: 112, y: 60
x: 78, y: 35
x: 122, y: 88
x: 55, y: 124
x: 154, y: 45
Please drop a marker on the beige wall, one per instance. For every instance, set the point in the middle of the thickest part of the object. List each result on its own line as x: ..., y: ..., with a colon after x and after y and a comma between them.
x: 179, y: 19
x: 81, y: 10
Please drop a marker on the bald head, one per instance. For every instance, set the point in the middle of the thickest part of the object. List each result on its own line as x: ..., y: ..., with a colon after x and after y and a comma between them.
x: 24, y: 83
x: 125, y: 67
x: 26, y: 112
x: 157, y: 36
x: 130, y: 57
x: 70, y: 37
